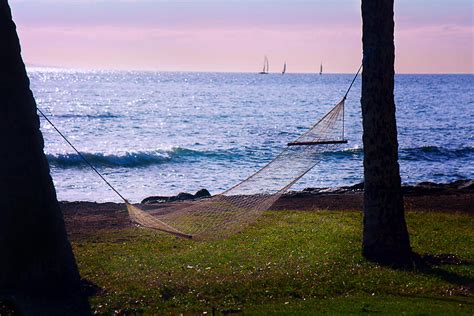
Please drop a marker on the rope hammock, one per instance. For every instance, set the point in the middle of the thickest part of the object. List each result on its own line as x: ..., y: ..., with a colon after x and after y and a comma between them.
x: 229, y: 212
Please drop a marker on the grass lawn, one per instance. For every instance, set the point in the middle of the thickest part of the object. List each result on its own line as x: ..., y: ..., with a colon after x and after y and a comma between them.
x: 287, y: 263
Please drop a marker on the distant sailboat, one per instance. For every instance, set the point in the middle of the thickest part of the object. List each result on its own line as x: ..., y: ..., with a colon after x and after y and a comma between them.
x: 284, y: 69
x: 321, y: 69
x: 265, y: 66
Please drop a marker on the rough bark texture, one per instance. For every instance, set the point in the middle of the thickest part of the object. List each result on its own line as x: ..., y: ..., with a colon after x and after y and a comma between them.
x: 36, y: 257
x: 385, y: 237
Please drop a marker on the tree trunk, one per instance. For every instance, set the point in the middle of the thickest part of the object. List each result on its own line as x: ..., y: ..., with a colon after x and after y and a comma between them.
x: 385, y: 236
x: 36, y: 257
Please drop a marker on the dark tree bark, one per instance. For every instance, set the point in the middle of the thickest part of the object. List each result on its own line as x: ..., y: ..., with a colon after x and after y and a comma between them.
x: 36, y: 258
x: 385, y: 236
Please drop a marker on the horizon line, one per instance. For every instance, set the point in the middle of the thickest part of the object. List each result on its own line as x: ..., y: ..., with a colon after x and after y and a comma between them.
x: 78, y: 69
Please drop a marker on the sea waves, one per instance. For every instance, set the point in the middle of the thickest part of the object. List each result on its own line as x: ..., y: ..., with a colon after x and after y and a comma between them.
x: 424, y: 153
x: 139, y: 159
x: 434, y: 153
x: 142, y: 159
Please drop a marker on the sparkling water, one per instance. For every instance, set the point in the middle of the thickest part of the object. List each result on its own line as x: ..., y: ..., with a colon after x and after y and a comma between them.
x: 161, y: 133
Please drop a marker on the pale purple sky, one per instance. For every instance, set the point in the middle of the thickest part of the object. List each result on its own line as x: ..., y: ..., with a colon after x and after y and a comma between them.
x: 431, y: 36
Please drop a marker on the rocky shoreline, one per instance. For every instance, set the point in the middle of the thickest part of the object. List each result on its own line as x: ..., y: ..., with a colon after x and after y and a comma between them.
x: 423, y: 188
x: 85, y: 218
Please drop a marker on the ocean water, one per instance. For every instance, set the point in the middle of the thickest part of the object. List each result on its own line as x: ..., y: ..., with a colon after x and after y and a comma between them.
x: 157, y: 133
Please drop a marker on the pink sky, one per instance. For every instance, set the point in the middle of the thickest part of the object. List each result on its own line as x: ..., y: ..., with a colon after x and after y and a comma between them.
x: 210, y: 35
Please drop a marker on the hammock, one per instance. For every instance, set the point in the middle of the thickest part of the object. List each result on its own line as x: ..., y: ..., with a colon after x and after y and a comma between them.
x: 230, y: 211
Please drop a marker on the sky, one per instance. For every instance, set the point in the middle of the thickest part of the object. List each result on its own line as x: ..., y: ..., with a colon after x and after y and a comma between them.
x: 431, y: 36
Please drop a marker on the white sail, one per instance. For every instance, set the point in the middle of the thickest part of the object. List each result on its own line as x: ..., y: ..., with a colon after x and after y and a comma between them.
x: 265, y: 66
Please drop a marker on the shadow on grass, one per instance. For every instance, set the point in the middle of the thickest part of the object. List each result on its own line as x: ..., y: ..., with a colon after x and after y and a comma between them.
x: 431, y: 265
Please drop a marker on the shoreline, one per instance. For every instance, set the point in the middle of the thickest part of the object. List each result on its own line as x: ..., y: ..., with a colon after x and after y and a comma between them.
x: 86, y: 218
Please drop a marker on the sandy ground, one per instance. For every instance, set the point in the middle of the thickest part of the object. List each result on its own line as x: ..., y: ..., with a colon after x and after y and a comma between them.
x: 84, y: 218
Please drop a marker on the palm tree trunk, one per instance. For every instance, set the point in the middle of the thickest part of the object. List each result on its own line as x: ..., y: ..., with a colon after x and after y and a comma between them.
x: 36, y: 257
x: 385, y: 236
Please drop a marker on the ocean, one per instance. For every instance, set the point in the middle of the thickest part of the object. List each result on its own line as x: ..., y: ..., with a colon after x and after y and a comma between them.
x: 161, y: 133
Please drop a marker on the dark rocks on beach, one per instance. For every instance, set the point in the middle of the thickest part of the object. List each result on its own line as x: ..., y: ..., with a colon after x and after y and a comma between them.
x: 202, y: 194
x: 183, y: 196
x: 359, y: 187
x: 422, y: 188
x: 427, y: 188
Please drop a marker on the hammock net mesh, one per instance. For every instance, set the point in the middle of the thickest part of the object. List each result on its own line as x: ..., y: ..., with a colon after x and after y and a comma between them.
x: 229, y: 212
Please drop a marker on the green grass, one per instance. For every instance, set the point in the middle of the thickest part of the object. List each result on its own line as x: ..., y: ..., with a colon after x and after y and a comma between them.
x: 288, y: 262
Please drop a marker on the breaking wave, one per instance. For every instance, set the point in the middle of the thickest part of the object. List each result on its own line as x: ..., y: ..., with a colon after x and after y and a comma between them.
x: 139, y: 158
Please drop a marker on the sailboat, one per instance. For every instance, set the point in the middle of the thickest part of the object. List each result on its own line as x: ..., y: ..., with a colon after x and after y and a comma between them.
x: 265, y: 66
x: 284, y: 69
x: 321, y: 69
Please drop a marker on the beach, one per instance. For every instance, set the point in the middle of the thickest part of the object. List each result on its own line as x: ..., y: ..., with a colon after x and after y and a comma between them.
x: 89, y: 218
